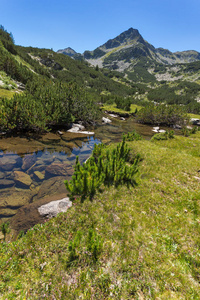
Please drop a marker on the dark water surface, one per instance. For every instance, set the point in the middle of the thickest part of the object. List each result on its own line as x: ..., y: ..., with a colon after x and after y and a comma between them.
x: 34, y: 168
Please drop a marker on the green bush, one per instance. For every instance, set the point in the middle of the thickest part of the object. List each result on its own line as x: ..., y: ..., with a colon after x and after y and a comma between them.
x: 110, y: 168
x: 5, y: 229
x: 162, y: 115
x: 163, y: 135
x: 132, y: 136
x: 47, y: 104
x: 123, y: 103
x: 187, y: 131
x: 84, y: 246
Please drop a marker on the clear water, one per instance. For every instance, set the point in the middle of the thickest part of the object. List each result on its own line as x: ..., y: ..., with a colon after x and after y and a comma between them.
x: 31, y: 168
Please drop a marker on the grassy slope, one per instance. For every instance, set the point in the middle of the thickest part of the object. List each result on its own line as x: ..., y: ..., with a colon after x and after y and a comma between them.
x: 150, y: 237
x: 113, y: 108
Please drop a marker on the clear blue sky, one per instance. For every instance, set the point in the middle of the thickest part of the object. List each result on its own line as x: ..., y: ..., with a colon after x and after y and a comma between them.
x: 87, y: 24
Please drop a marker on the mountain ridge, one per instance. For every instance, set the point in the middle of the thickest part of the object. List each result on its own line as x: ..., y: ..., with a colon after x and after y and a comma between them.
x: 122, y: 52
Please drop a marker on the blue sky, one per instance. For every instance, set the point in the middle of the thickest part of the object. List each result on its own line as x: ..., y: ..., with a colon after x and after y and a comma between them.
x: 87, y: 24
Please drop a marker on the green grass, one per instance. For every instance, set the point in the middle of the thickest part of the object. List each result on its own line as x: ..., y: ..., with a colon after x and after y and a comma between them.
x: 112, y: 107
x: 194, y: 116
x: 8, y: 88
x: 23, y: 62
x: 146, y: 238
x: 6, y: 93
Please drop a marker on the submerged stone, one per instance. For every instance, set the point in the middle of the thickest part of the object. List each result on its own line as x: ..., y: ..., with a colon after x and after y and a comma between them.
x: 39, y: 175
x: 28, y: 161
x: 6, y: 183
x: 22, y: 179
x: 58, y: 169
x: 8, y: 163
x: 15, y: 199
x: 52, y: 186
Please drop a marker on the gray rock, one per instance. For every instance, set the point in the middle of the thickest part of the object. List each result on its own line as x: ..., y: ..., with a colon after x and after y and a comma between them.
x: 113, y: 115
x: 53, y: 208
x: 76, y: 128
x: 194, y: 121
x: 106, y: 120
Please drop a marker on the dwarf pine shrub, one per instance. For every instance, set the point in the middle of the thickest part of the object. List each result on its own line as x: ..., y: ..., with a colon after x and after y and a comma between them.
x: 163, y: 135
x: 108, y: 168
x: 132, y: 136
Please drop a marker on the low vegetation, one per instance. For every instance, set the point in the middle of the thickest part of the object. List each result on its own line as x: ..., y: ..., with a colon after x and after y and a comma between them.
x: 45, y: 105
x: 163, y: 115
x: 103, y: 168
x: 127, y: 243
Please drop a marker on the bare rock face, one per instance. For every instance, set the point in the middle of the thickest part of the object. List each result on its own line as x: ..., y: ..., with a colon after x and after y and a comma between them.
x: 52, y: 208
x: 22, y: 179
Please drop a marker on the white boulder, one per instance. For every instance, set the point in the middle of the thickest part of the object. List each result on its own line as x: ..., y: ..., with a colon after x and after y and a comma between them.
x: 53, y: 208
x: 106, y: 120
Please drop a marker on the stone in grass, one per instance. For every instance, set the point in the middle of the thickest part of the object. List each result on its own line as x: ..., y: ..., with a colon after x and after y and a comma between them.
x: 53, y: 208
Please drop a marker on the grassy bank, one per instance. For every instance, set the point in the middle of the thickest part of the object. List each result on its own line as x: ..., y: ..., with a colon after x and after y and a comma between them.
x: 136, y: 243
x: 113, y: 108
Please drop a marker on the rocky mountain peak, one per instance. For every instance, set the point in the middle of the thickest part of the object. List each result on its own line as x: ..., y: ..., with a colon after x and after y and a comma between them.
x: 125, y: 37
x: 67, y: 51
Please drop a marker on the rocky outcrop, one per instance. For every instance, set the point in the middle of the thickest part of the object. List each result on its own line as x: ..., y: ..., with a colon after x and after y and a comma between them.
x: 67, y: 51
x: 53, y: 208
x: 78, y: 128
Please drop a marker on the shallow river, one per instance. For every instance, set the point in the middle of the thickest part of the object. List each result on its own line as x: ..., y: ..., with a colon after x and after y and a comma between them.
x: 34, y: 168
